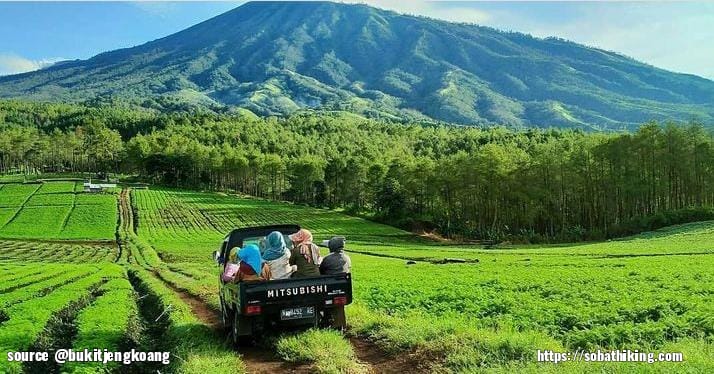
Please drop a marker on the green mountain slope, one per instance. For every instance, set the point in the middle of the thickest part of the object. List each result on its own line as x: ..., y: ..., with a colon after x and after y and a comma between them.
x: 277, y: 58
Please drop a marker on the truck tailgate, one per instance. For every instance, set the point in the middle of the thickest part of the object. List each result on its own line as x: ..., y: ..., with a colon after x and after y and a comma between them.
x: 320, y: 290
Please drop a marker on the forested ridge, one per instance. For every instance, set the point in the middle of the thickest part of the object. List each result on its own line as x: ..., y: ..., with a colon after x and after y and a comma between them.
x: 279, y: 58
x: 491, y: 183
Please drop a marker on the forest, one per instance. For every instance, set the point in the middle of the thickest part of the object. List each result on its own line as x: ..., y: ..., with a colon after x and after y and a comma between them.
x: 495, y: 184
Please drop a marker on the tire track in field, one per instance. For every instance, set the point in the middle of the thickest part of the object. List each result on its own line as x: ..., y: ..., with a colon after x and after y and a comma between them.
x: 381, y: 363
x: 66, y: 218
x: 125, y: 221
x: 257, y: 360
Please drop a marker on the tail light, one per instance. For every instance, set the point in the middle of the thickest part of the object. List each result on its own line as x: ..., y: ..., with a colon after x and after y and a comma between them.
x: 252, y: 310
x: 340, y: 300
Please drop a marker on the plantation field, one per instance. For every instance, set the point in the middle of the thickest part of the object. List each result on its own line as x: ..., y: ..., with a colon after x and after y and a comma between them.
x: 29, y: 304
x: 648, y: 292
x: 53, y: 210
x: 652, y: 292
x: 180, y: 224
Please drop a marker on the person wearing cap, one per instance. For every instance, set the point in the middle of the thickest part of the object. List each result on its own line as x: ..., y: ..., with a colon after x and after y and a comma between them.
x: 337, y: 261
x: 305, y: 255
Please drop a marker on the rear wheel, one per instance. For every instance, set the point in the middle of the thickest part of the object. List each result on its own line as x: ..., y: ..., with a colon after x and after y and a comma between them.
x: 241, y: 330
x: 227, y: 317
x: 339, y: 320
x: 334, y: 318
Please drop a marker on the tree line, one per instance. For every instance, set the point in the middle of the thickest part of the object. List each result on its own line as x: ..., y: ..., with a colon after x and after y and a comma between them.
x: 483, y: 183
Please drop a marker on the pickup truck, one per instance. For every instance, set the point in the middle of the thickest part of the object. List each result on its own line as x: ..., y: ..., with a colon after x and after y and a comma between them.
x: 248, y: 308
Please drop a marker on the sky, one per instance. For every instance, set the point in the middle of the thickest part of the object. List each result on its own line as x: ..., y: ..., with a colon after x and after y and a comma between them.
x: 673, y: 35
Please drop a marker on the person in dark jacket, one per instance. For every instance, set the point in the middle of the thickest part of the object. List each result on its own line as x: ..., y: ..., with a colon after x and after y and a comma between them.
x: 305, y: 255
x: 337, y: 261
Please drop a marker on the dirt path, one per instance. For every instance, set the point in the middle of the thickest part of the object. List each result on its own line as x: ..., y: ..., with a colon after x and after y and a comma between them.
x: 380, y: 363
x: 127, y: 219
x: 200, y: 309
x: 259, y: 360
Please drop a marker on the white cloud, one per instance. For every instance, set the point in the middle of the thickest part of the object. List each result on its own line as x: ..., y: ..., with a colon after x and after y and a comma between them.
x: 14, y: 64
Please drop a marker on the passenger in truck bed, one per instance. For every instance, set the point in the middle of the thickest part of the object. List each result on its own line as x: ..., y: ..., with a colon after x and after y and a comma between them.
x: 305, y: 255
x: 232, y: 267
x: 337, y: 261
x: 277, y: 256
x: 251, y: 266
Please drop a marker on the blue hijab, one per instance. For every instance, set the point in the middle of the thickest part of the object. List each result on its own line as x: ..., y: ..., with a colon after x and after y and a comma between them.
x: 274, y: 246
x: 250, y: 254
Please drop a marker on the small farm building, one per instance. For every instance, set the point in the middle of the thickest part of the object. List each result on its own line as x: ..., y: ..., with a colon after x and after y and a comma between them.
x: 97, y: 187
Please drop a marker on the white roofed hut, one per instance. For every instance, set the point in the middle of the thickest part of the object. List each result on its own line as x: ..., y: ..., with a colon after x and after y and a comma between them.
x: 97, y: 187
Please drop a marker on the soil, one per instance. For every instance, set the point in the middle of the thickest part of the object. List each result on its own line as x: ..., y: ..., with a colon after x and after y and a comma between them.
x: 380, y: 363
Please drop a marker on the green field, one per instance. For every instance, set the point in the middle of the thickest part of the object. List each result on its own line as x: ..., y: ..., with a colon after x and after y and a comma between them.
x: 182, y: 225
x: 651, y: 292
x: 54, y: 210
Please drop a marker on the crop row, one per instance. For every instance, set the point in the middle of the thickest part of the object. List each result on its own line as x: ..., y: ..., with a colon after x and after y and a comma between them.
x: 27, y: 319
x: 167, y: 214
x: 109, y: 322
x: 44, y: 286
x: 32, y: 276
x: 193, y: 344
x: 56, y: 252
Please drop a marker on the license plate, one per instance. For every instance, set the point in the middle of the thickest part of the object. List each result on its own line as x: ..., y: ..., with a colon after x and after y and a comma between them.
x: 297, y: 313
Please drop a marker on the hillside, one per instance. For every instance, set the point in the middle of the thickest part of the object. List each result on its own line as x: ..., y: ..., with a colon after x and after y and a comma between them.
x: 278, y: 58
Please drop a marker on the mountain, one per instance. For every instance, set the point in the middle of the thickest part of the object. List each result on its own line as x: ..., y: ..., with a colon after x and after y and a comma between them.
x: 282, y: 57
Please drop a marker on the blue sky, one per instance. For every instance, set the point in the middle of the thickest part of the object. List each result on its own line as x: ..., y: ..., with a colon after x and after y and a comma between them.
x: 676, y: 36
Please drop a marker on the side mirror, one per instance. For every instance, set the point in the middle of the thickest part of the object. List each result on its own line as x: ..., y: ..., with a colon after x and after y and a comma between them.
x: 217, y: 257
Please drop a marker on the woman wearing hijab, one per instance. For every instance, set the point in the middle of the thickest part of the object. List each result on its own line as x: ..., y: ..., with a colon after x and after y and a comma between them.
x: 305, y: 255
x: 251, y: 267
x: 231, y: 269
x: 277, y: 256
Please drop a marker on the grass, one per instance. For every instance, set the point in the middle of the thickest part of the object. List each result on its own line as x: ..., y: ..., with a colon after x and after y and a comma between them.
x: 325, y: 349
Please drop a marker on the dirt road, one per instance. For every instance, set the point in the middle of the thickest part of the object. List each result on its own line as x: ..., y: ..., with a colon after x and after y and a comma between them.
x: 258, y: 360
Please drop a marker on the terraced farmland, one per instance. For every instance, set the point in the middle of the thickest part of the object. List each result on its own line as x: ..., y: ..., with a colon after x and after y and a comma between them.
x: 651, y: 292
x: 58, y: 252
x: 54, y: 211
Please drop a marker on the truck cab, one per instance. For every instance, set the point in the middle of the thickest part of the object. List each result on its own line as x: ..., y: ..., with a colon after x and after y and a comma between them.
x: 248, y: 308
